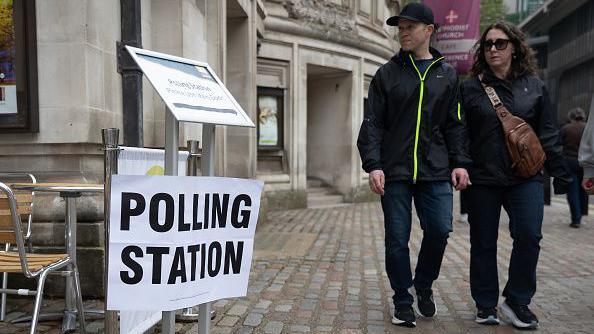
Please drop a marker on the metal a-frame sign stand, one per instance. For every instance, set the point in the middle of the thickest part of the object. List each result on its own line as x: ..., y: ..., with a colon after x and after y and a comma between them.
x: 193, y: 93
x: 207, y: 167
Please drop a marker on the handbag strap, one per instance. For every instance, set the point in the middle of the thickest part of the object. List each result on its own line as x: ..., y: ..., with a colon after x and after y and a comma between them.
x: 500, y: 108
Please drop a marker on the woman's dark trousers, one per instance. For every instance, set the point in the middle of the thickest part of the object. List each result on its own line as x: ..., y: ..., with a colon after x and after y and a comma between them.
x: 524, y: 205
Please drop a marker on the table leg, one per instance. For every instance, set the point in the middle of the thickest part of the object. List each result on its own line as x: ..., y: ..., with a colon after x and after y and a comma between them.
x: 69, y: 322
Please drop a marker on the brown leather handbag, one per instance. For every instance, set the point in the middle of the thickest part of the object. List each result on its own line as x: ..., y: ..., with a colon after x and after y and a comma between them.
x: 523, y: 145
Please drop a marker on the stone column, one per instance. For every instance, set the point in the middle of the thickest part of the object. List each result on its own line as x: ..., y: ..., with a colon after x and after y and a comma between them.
x: 241, y: 82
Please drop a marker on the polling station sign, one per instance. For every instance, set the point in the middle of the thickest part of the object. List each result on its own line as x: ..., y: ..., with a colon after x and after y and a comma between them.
x: 190, y: 89
x: 178, y: 241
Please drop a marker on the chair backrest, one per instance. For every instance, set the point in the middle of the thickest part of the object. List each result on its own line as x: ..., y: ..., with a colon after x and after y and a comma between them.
x: 7, y: 228
x: 10, y: 177
x: 10, y: 221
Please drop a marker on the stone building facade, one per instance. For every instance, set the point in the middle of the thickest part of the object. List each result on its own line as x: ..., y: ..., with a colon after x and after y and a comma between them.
x: 314, y: 57
x: 318, y: 58
x: 567, y: 57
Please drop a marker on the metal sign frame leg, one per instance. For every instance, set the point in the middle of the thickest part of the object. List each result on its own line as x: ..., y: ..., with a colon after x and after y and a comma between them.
x: 171, y: 158
x: 207, y: 166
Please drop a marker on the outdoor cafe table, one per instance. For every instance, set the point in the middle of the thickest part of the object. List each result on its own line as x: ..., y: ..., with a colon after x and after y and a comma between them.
x: 68, y: 191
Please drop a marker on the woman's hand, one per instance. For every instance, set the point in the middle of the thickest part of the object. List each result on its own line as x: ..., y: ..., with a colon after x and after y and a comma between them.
x: 460, y: 179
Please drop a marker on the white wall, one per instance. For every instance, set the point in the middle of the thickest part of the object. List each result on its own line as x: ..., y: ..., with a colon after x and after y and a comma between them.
x: 328, y: 125
x: 194, y: 46
x: 177, y: 27
x: 240, y: 145
x: 79, y: 87
x: 148, y: 108
x: 79, y: 90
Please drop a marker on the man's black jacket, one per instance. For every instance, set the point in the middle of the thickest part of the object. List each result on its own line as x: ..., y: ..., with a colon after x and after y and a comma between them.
x: 525, y: 97
x: 411, y: 140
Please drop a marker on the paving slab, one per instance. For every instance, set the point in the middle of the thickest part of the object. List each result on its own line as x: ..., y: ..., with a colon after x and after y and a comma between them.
x: 326, y: 275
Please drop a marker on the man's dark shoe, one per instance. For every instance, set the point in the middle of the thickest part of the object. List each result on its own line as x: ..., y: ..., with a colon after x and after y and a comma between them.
x: 574, y: 225
x: 519, y: 315
x: 405, y: 317
x: 425, y: 303
x: 487, y: 316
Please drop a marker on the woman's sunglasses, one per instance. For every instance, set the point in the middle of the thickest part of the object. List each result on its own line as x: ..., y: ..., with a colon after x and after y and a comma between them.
x: 500, y: 44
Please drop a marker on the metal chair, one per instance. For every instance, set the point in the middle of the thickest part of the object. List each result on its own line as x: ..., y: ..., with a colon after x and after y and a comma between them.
x: 27, y: 236
x: 31, y: 265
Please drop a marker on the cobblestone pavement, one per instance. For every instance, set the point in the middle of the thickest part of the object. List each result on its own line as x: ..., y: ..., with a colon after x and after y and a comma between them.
x: 322, y: 271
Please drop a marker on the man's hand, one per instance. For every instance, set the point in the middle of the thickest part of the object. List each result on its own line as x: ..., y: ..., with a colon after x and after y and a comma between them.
x: 460, y: 179
x: 588, y: 185
x: 377, y: 181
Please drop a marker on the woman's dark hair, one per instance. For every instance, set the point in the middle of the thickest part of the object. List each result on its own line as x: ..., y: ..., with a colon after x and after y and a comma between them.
x: 523, y: 60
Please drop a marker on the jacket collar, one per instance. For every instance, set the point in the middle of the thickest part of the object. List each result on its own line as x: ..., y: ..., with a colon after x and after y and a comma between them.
x: 402, y: 56
x: 490, y: 79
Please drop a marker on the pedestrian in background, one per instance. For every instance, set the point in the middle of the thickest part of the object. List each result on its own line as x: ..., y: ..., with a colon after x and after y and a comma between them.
x: 571, y: 135
x: 505, y: 62
x: 412, y: 143
x: 586, y: 153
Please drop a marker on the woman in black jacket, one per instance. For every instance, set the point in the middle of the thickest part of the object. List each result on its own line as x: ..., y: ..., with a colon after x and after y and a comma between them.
x: 505, y: 62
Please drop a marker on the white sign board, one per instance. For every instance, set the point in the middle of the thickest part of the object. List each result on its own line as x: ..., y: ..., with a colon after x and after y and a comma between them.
x: 190, y: 89
x: 178, y: 241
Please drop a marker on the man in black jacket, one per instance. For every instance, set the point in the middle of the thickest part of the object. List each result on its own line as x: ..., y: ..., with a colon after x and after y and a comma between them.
x: 413, y: 142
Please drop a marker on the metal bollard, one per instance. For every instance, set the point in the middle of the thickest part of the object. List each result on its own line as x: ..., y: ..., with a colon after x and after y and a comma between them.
x: 193, y: 149
x: 188, y: 314
x: 110, y: 162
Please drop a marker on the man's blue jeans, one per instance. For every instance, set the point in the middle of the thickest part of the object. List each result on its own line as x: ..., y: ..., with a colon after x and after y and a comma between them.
x: 524, y: 204
x: 433, y: 203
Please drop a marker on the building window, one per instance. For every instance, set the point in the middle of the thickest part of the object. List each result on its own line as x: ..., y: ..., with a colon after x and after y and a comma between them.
x: 18, y: 67
x: 270, y: 118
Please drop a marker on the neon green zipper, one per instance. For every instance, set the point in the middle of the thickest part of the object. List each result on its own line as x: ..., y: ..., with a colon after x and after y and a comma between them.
x: 422, y: 78
x: 459, y: 118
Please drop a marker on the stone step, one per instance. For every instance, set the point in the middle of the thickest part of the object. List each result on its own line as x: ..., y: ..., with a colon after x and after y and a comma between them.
x: 317, y: 196
x: 324, y: 200
x: 329, y: 206
x: 320, y: 190
x: 314, y: 183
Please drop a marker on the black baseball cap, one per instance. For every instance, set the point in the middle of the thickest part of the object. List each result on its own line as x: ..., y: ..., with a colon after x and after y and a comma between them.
x: 413, y: 12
